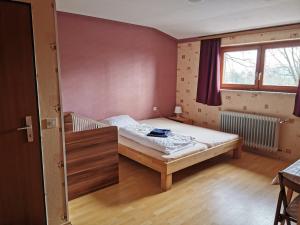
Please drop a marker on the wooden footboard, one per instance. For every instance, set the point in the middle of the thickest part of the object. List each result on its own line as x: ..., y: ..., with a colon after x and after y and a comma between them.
x: 92, y: 158
x: 166, y: 169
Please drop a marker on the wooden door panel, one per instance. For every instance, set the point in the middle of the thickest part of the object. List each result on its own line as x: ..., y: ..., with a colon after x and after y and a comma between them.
x: 21, y: 189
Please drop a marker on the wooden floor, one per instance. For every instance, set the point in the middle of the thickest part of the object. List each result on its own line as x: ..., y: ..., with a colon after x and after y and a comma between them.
x: 220, y: 191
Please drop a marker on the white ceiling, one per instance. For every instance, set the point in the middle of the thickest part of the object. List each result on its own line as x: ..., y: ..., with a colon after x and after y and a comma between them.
x: 184, y: 19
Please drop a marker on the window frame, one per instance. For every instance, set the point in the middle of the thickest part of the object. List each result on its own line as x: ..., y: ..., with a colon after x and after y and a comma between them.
x: 260, y: 62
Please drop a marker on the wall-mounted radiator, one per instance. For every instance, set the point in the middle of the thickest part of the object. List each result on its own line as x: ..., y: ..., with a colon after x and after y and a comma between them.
x: 260, y: 132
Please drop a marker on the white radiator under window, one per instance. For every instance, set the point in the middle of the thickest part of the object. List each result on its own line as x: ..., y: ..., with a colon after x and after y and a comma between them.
x: 260, y: 132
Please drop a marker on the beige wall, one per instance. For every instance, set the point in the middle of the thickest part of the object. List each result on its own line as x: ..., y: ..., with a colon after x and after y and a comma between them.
x: 43, y: 14
x: 275, y: 104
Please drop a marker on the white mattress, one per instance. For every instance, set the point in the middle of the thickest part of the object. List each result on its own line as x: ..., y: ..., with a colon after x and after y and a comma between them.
x: 206, y: 138
x: 169, y: 145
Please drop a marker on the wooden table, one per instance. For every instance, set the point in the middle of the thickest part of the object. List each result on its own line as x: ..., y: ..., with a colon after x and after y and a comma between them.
x: 292, y: 173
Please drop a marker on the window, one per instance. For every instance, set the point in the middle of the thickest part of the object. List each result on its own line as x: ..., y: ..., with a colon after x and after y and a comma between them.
x: 240, y: 67
x: 268, y: 67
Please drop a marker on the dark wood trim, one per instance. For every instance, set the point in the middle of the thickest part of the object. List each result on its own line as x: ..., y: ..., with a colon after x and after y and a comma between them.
x: 259, y: 66
x: 242, y: 32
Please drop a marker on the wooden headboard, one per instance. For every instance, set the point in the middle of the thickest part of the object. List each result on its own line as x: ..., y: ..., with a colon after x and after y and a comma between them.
x: 92, y: 158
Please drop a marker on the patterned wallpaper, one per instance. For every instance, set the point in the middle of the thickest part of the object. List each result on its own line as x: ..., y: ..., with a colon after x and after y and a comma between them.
x: 274, y: 104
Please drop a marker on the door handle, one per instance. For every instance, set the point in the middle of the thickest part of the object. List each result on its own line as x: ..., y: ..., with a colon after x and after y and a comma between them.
x: 28, y: 128
x: 24, y: 128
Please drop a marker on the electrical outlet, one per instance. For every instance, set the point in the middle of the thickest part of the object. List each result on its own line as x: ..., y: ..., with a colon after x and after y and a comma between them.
x: 155, y: 108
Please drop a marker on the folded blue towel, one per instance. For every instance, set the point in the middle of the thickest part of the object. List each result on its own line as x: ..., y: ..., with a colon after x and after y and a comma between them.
x: 159, y: 133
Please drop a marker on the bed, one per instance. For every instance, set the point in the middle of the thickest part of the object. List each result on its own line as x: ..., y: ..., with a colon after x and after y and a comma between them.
x: 211, y: 144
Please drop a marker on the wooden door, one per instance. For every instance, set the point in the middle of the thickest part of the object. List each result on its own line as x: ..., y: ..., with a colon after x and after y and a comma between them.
x: 21, y: 177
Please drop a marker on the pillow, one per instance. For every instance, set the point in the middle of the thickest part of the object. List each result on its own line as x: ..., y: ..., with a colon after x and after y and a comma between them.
x: 120, y: 121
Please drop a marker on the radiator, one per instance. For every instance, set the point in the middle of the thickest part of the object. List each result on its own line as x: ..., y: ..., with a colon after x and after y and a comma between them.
x: 257, y: 131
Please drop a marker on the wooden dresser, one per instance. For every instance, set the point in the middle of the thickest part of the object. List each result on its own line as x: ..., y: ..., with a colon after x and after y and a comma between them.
x: 92, y: 158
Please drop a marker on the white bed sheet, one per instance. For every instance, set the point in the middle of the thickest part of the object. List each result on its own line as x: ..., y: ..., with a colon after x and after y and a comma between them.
x: 207, y: 138
x: 173, y: 143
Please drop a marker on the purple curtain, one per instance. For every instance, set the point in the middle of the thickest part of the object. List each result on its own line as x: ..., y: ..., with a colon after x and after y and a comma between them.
x: 297, y: 102
x: 208, y: 91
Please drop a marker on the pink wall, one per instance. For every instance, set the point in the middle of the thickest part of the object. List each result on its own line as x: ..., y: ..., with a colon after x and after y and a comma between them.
x: 111, y: 68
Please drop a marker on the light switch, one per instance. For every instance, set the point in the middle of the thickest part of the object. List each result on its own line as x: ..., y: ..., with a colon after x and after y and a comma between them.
x: 51, y: 123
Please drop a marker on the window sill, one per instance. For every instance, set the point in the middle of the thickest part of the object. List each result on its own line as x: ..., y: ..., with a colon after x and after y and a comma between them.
x: 258, y: 92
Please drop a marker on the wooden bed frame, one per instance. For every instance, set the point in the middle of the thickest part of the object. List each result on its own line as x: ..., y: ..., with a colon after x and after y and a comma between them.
x: 167, y: 168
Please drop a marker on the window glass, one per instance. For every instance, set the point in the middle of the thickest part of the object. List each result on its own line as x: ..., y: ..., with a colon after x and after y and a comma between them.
x: 282, y: 66
x: 239, y: 67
